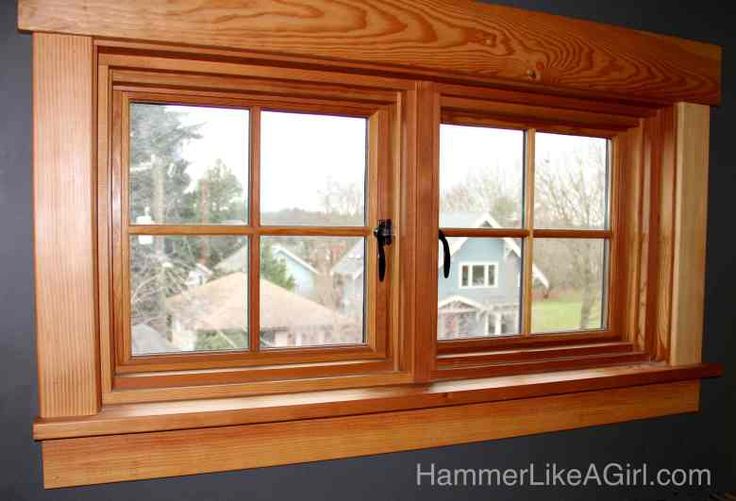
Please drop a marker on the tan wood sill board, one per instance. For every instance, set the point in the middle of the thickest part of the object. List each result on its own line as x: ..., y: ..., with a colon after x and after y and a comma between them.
x: 192, y: 414
x: 112, y: 458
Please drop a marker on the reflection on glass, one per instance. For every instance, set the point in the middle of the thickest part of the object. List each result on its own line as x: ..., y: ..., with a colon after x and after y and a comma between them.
x: 481, y: 297
x: 311, y: 291
x: 481, y: 172
x: 313, y: 169
x: 188, y: 294
x: 574, y: 296
x: 571, y: 188
x: 188, y: 164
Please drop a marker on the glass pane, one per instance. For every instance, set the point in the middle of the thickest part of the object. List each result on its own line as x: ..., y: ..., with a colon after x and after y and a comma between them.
x: 188, y: 164
x: 313, y: 169
x: 571, y: 181
x: 311, y: 291
x: 490, y: 306
x: 478, y: 276
x: 481, y: 173
x: 188, y: 294
x: 572, y: 294
x: 492, y: 275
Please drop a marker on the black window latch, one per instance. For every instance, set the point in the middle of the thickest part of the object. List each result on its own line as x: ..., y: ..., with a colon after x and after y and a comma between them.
x: 384, y: 236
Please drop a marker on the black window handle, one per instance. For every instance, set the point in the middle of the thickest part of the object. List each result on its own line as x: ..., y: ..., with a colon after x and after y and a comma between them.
x: 446, y: 250
x: 384, y: 236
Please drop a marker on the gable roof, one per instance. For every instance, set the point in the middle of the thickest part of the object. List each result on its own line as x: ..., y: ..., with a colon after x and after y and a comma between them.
x: 352, y: 262
x: 146, y: 340
x: 221, y: 304
x: 469, y: 220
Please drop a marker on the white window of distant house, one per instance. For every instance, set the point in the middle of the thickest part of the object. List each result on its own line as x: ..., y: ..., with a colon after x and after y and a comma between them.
x: 478, y: 275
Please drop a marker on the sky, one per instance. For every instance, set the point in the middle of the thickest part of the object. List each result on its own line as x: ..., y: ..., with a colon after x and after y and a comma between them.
x: 301, y: 153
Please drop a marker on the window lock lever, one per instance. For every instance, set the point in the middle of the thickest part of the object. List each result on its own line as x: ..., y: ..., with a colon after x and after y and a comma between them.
x: 384, y: 236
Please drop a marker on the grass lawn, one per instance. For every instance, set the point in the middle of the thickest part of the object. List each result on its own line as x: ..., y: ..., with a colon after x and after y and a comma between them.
x: 560, y: 314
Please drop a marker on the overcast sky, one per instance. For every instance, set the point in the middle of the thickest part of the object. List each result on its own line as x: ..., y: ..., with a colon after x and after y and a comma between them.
x: 301, y: 152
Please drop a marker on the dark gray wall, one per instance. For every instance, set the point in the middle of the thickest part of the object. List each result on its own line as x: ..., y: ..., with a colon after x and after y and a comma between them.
x: 706, y: 439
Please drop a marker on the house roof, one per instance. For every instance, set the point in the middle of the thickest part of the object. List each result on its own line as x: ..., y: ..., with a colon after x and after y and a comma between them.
x: 235, y: 261
x: 470, y: 220
x: 147, y: 340
x: 222, y: 304
x: 352, y: 262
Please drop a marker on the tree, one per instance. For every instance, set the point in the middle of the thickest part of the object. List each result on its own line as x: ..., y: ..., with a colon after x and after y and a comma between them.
x: 342, y: 203
x: 218, y: 196
x: 273, y: 269
x: 486, y: 190
x: 158, y: 182
x: 158, y: 178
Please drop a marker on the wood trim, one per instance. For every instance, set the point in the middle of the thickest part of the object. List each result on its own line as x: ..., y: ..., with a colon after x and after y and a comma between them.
x: 631, y: 254
x: 241, y: 366
x: 659, y: 160
x: 691, y: 208
x: 65, y: 250
x: 181, y: 58
x: 486, y: 232
x: 160, y: 416
x: 467, y: 40
x: 425, y: 140
x: 111, y: 458
x: 254, y: 242
x: 527, y: 276
x: 522, y: 113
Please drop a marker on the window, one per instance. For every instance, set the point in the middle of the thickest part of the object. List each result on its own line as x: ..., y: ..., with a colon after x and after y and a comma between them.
x: 478, y: 275
x: 318, y: 243
x: 189, y: 165
x: 550, y: 189
x: 243, y: 231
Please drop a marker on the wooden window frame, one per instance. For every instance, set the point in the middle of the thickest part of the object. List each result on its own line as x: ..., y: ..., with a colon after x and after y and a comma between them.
x: 125, y: 80
x: 95, y: 430
x: 473, y: 357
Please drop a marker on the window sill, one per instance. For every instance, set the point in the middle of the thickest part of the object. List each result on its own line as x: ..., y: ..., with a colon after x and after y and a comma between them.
x: 149, y: 440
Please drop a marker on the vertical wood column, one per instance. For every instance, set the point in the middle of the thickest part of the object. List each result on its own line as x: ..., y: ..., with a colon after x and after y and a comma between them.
x: 425, y: 143
x: 691, y: 211
x: 63, y: 179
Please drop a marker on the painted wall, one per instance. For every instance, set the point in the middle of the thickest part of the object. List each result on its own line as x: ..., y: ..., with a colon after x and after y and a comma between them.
x: 706, y: 439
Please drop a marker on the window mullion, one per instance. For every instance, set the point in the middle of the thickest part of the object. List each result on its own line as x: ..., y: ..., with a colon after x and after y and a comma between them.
x: 254, y: 216
x: 528, y: 247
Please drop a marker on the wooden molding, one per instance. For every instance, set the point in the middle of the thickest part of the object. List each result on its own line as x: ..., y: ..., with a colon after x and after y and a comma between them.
x: 212, y: 412
x: 65, y: 255
x: 92, y: 460
x: 690, y: 220
x: 466, y: 40
x: 102, y: 424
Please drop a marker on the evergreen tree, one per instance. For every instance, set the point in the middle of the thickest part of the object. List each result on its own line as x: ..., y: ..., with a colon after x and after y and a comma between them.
x: 273, y: 269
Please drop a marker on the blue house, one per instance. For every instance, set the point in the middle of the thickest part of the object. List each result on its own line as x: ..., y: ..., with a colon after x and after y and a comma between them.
x: 303, y: 273
x: 482, y: 293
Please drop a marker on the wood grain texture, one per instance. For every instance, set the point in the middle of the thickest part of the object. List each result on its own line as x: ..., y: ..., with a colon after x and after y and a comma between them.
x: 91, y: 460
x: 425, y: 154
x: 63, y: 187
x: 631, y: 252
x: 659, y: 159
x: 422, y: 37
x: 688, y: 281
x: 160, y: 416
